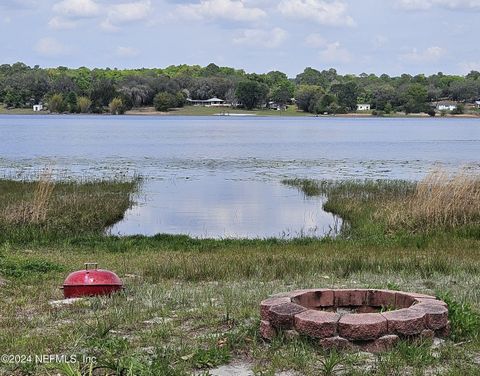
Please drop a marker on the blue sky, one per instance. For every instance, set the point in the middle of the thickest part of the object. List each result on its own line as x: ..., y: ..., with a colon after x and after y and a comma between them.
x: 372, y: 36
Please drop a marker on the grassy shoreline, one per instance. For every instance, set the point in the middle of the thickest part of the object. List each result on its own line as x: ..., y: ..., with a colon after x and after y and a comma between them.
x: 192, y: 305
x: 220, y: 111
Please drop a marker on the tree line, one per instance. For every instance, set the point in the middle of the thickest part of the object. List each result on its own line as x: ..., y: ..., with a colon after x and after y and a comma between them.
x: 84, y: 90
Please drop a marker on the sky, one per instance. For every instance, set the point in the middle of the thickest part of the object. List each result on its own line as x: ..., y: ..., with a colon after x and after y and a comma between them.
x: 352, y: 36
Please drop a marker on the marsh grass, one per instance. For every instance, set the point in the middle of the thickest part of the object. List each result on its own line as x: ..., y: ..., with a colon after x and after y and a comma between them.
x: 47, y: 209
x: 440, y: 201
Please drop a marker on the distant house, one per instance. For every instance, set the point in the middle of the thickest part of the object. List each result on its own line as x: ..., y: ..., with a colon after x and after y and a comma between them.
x: 207, y: 102
x: 446, y: 106
x: 477, y: 104
x: 37, y: 107
x: 277, y: 106
x: 363, y: 107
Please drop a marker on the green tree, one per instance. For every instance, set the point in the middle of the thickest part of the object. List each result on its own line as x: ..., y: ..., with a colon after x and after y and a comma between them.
x: 307, y: 96
x: 72, y: 102
x: 12, y: 98
x: 275, y: 78
x: 310, y: 76
x: 415, y: 98
x: 382, y: 95
x: 388, y: 108
x: 164, y: 101
x: 181, y: 99
x: 251, y: 93
x: 116, y: 106
x: 283, y: 92
x: 459, y: 110
x: 56, y: 104
x: 347, y: 94
x: 84, y: 104
x: 326, y: 104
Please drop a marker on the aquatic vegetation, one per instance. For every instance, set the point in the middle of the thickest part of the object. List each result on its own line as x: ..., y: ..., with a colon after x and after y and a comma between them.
x: 51, y: 209
x: 439, y: 202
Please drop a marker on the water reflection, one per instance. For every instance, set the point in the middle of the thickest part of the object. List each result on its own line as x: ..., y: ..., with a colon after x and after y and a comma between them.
x: 219, y: 208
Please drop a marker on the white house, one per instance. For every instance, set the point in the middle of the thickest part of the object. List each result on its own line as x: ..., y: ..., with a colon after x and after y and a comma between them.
x: 207, y: 102
x: 477, y: 104
x: 446, y: 106
x: 37, y: 107
x: 276, y: 106
x: 363, y: 107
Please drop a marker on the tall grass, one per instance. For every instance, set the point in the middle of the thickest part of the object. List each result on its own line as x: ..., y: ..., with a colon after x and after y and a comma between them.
x: 440, y: 201
x: 34, y: 210
x: 47, y: 209
x: 377, y: 207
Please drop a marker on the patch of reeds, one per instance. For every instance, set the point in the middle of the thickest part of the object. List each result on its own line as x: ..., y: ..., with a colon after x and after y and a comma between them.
x: 33, y: 210
x: 439, y: 201
x: 45, y: 208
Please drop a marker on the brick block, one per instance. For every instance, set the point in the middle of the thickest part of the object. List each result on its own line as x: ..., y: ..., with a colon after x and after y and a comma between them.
x: 283, y: 316
x: 362, y: 326
x: 405, y: 321
x: 317, y: 324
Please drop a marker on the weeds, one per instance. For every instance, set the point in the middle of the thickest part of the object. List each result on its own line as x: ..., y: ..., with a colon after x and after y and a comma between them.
x: 47, y: 210
x: 400, y: 209
x: 465, y: 320
x: 440, y: 201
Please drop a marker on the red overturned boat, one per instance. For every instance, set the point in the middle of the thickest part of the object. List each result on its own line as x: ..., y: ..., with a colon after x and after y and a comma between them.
x: 91, y: 282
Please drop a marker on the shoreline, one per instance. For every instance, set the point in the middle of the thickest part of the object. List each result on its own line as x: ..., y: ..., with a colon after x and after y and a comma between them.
x: 239, y: 113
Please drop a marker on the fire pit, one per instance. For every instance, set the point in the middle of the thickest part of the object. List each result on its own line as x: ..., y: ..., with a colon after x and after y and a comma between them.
x: 370, y: 320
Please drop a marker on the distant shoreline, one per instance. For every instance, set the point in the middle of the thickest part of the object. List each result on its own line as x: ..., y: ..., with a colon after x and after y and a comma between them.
x: 232, y: 112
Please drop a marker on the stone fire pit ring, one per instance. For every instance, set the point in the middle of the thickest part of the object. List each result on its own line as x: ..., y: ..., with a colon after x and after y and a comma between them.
x: 354, y: 319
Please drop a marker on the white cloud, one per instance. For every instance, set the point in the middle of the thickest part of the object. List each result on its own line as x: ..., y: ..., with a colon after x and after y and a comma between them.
x: 428, y: 4
x: 77, y: 8
x: 126, y: 51
x: 315, y: 41
x: 430, y: 54
x: 235, y: 10
x: 335, y: 53
x: 50, y: 47
x: 119, y: 14
x: 333, y: 13
x: 262, y: 38
x: 60, y: 23
x: 469, y: 66
x: 114, y: 15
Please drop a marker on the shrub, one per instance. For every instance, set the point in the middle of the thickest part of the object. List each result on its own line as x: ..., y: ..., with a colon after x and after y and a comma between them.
x: 84, y: 104
x: 56, y: 104
x: 459, y: 110
x: 116, y: 106
x: 388, y: 108
x: 164, y: 101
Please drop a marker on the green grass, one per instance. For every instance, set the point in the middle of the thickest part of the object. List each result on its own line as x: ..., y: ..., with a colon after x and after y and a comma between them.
x: 18, y: 111
x: 209, y: 111
x: 193, y: 304
x: 30, y: 211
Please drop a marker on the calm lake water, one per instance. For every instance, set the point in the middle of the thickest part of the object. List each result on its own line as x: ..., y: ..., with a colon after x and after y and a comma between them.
x: 220, y: 176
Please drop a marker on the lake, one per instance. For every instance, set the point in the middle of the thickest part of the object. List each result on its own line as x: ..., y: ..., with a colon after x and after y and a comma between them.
x: 221, y: 176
